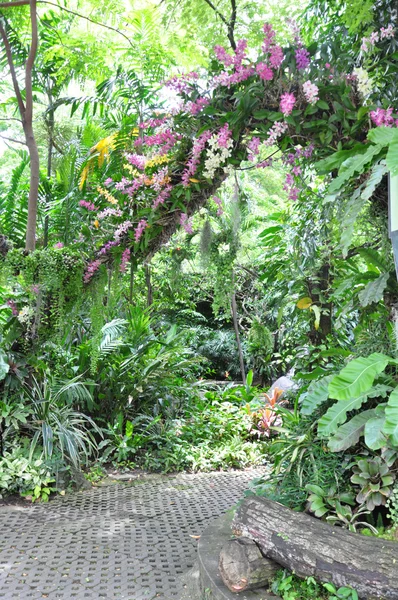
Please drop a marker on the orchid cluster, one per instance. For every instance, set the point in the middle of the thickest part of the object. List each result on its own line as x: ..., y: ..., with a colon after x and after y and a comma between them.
x: 220, y: 149
x: 186, y: 223
x: 287, y: 103
x: 383, y: 117
x: 293, y: 179
x: 157, y: 169
x: 385, y: 33
x: 194, y: 162
x: 365, y: 84
x: 124, y: 261
x: 218, y: 202
x: 311, y: 92
x: 88, y: 205
x: 253, y: 147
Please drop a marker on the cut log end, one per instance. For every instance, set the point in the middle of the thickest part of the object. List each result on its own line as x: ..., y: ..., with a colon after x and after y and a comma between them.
x: 309, y: 546
x: 243, y: 567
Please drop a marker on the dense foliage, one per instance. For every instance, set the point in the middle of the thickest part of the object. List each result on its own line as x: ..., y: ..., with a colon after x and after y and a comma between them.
x: 200, y: 233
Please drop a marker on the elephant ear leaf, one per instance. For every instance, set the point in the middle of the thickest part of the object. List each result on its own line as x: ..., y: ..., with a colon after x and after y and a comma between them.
x: 358, y: 376
x: 375, y: 438
x: 391, y: 425
x: 337, y: 414
x: 348, y: 434
x: 317, y: 393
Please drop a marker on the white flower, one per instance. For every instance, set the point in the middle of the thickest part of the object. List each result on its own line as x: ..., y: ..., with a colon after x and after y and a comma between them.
x: 311, y: 92
x: 365, y: 84
x: 25, y: 314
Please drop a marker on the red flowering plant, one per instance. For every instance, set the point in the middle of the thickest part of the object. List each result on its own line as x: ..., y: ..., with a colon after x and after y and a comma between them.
x: 267, y: 417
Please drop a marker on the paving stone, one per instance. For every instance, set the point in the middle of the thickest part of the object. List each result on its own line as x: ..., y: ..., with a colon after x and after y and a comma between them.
x: 124, y: 541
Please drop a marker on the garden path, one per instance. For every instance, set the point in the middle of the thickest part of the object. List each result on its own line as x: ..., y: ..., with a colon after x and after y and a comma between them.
x: 127, y: 540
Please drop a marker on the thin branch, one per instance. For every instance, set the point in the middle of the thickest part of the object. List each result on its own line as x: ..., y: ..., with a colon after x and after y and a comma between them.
x: 14, y: 3
x: 10, y: 119
x: 58, y: 149
x: 223, y: 19
x: 72, y: 12
x: 4, y: 137
x: 10, y: 61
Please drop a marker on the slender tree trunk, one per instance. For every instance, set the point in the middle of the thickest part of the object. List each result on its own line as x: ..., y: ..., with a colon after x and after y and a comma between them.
x: 33, y: 188
x: 234, y: 312
x: 50, y: 127
x: 148, y: 285
x: 26, y: 111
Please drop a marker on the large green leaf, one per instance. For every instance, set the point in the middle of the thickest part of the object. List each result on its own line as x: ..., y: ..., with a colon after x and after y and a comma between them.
x: 354, y: 164
x: 356, y: 203
x: 348, y: 434
x: 337, y: 414
x: 4, y: 366
x: 375, y: 437
x: 326, y: 165
x: 317, y: 393
x: 392, y: 155
x: 358, y: 376
x: 391, y: 426
x: 373, y: 291
x: 381, y: 135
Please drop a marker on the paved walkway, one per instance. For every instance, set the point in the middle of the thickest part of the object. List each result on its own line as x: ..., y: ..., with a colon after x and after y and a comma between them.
x: 119, y: 541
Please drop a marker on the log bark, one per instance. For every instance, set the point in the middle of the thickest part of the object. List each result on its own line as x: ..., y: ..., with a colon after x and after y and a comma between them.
x: 311, y: 547
x: 243, y: 567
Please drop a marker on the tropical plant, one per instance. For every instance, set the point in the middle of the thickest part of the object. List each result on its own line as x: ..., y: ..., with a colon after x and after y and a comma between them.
x: 56, y: 424
x: 353, y: 387
x: 375, y: 481
x: 336, y: 507
x: 29, y: 477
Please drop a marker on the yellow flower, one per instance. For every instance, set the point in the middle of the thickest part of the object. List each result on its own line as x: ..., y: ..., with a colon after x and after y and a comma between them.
x: 159, y: 159
x: 96, y: 223
x: 106, y: 195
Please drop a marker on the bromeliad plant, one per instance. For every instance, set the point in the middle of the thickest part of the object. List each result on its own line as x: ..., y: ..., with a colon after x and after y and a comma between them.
x: 375, y: 480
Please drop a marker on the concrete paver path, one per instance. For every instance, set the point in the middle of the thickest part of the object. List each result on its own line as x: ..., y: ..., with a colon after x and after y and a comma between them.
x: 130, y: 540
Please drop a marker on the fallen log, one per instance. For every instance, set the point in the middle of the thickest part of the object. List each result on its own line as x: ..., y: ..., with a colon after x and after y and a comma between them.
x: 243, y: 567
x: 311, y: 547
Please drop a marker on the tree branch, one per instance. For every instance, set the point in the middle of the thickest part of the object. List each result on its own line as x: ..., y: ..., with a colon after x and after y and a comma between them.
x: 231, y: 25
x: 4, y: 137
x: 72, y: 12
x: 223, y: 19
x: 10, y: 61
x: 30, y: 62
x: 10, y: 119
x: 14, y: 3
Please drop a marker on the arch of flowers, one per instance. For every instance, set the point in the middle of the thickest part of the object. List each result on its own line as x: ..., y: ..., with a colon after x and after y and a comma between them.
x: 176, y: 159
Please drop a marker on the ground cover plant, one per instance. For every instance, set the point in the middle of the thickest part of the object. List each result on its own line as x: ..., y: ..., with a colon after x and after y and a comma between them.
x: 183, y: 220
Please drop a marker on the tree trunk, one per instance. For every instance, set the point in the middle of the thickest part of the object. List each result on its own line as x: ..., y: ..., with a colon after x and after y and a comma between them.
x: 243, y: 567
x: 311, y: 547
x: 234, y: 312
x: 149, y: 289
x: 33, y: 187
x: 50, y: 122
x: 25, y: 106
